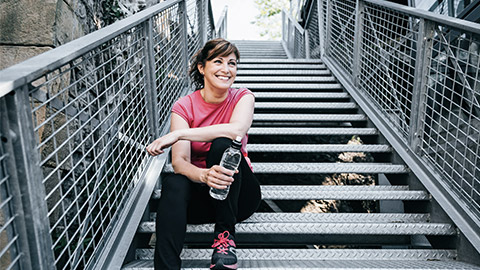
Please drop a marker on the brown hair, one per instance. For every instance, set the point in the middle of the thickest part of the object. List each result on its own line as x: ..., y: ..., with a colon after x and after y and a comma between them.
x: 211, y: 49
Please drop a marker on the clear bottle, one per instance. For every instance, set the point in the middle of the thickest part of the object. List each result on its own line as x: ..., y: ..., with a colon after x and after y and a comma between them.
x: 230, y: 160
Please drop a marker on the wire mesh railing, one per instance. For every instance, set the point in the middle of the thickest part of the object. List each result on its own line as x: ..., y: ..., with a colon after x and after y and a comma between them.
x: 81, y: 116
x: 420, y: 72
x: 293, y: 35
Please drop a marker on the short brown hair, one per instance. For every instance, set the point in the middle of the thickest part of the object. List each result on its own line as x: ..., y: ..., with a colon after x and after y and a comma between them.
x: 211, y: 49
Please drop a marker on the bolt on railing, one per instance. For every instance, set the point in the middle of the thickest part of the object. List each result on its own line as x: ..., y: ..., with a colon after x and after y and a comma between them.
x: 417, y: 75
x: 74, y: 125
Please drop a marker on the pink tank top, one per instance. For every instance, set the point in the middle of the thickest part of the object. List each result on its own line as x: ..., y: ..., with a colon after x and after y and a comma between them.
x: 199, y: 113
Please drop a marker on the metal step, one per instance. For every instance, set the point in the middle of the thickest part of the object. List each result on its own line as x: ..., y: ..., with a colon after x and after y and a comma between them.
x: 333, y: 217
x: 303, y: 95
x: 317, y: 66
x: 310, y: 117
x: 290, y: 86
x: 306, y: 105
x: 311, y: 131
x: 326, y: 168
x: 281, y: 61
x: 372, y: 148
x: 282, y: 79
x: 308, y: 192
x: 323, y: 228
x: 289, y: 72
x: 316, y: 254
x: 338, y: 264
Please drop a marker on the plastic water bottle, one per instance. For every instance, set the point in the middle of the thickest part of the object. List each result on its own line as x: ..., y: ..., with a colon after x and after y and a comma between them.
x: 230, y: 160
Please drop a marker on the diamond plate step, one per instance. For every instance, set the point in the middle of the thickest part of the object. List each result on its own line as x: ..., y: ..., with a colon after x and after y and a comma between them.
x: 307, y: 192
x: 310, y: 117
x: 323, y: 228
x: 306, y: 105
x: 304, y: 95
x: 289, y: 86
x: 316, y: 66
x: 283, y: 79
x: 378, y: 148
x: 399, y: 264
x: 280, y: 61
x: 311, y: 131
x: 313, y: 168
x: 316, y: 254
x: 289, y: 72
x: 333, y: 217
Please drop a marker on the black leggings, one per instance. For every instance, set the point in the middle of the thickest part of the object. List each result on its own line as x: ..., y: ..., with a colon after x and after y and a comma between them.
x: 183, y: 201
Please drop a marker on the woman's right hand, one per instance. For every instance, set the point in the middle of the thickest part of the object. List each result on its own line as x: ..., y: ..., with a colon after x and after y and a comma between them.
x: 157, y: 146
x: 217, y: 177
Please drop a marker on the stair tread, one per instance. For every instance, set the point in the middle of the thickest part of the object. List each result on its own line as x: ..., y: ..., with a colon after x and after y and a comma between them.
x: 321, y: 265
x: 316, y: 254
x: 322, y: 228
x: 307, y: 192
x: 280, y: 79
x: 309, y: 117
x: 328, y: 265
x: 309, y: 95
x: 243, y: 72
x: 318, y: 148
x: 286, y: 65
x: 289, y: 86
x: 333, y: 217
x: 306, y: 105
x: 298, y: 62
x: 311, y: 131
x: 324, y: 167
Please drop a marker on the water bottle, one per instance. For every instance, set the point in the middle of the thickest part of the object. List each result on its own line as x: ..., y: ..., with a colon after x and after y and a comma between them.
x: 230, y: 160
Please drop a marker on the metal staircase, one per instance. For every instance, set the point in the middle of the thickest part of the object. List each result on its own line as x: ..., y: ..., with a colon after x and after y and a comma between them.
x: 303, y: 120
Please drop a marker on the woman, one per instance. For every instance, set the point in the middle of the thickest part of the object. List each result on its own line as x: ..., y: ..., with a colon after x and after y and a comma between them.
x: 203, y: 125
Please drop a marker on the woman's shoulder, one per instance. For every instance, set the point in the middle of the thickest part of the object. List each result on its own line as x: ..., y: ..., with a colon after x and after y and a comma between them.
x: 240, y: 92
x: 187, y: 99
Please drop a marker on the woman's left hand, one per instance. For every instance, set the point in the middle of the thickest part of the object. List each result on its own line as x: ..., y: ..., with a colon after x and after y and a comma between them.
x: 157, y: 146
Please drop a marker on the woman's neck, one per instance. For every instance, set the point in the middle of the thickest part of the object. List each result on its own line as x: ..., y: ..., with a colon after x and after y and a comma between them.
x: 213, y: 97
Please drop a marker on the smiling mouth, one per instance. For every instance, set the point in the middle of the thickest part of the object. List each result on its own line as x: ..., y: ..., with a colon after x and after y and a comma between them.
x: 223, y: 78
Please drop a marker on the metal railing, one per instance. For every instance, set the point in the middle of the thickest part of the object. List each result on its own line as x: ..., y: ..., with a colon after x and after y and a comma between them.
x: 417, y: 75
x: 293, y: 37
x: 74, y: 173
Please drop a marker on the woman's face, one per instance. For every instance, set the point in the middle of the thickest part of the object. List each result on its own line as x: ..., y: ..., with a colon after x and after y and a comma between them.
x: 220, y: 72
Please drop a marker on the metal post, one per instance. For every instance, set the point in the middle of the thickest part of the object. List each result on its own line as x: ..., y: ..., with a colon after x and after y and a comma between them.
x: 329, y: 25
x: 321, y: 33
x: 306, y: 44
x: 14, y: 188
x: 359, y: 11
x: 151, y: 84
x: 204, y: 21
x: 183, y: 14
x: 30, y: 179
x: 424, y: 46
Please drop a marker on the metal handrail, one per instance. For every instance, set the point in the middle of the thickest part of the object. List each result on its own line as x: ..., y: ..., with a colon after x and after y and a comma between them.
x: 394, y: 61
x: 74, y: 124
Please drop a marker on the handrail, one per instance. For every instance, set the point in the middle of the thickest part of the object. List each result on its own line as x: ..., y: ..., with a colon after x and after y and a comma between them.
x: 293, y: 37
x: 221, y: 25
x: 394, y: 61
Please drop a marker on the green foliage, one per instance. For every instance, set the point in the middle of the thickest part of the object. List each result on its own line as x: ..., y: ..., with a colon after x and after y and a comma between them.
x: 270, y: 17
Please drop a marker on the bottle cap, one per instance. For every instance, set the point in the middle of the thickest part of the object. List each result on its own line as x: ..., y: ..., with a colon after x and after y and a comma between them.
x: 237, y: 143
x: 238, y: 139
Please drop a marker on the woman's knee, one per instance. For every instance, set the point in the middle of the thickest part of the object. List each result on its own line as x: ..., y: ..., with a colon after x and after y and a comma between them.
x: 217, y: 148
x: 176, y: 186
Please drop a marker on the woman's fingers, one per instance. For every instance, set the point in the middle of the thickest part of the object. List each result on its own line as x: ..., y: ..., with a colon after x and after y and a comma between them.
x: 219, y: 177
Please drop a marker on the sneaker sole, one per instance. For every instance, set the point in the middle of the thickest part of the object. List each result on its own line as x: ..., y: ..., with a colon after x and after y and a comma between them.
x: 220, y: 266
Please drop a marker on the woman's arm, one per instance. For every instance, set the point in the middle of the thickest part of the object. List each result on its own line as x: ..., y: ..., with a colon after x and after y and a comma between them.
x: 240, y: 122
x: 216, y: 176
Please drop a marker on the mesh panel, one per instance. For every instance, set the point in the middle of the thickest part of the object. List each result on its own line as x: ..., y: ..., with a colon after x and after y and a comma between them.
x: 313, y: 32
x: 10, y: 255
x: 342, y: 28
x: 169, y: 69
x: 91, y: 126
x: 299, y: 46
x: 193, y: 26
x: 451, y: 124
x: 388, y: 63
